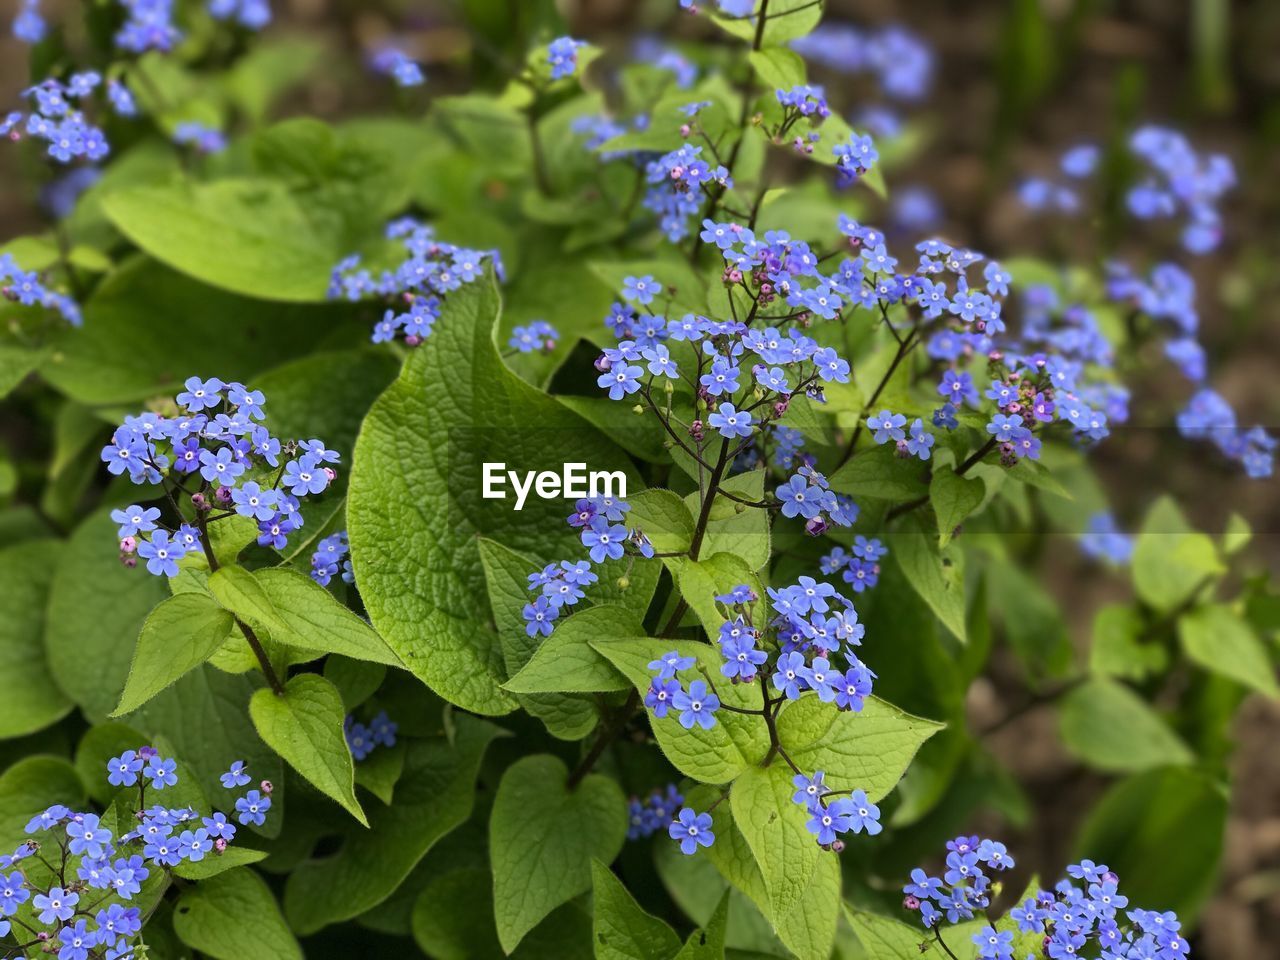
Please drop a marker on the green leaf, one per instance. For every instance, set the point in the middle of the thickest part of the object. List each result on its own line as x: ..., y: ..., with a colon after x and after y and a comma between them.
x: 1220, y: 641
x: 305, y: 727
x: 316, y: 621
x: 566, y: 661
x: 1117, y: 649
x: 543, y: 837
x: 1170, y: 560
x: 663, y: 517
x: 356, y: 680
x: 620, y: 927
x: 809, y: 928
x: 31, y: 785
x: 435, y: 795
x: 96, y: 609
x: 381, y: 771
x: 787, y: 20
x: 216, y: 863
x: 701, y: 581
x: 1035, y: 474
x: 938, y: 576
x: 736, y: 742
x: 180, y: 634
x: 778, y: 68
x: 884, y: 938
x: 415, y: 500
x: 32, y: 701
x: 774, y: 828
x: 869, y: 750
x: 233, y: 916
x: 734, y: 528
x: 1111, y: 728
x: 708, y: 943
x: 880, y: 473
x: 506, y: 575
x: 953, y: 497
x: 116, y: 357
x: 1174, y: 817
x: 248, y: 236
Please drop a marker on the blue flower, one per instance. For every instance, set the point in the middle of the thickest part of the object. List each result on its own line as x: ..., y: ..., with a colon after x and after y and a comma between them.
x: 76, y: 941
x: 620, y: 379
x: 235, y: 776
x: 669, y: 664
x: 87, y: 838
x: 863, y: 814
x: 254, y: 502
x: 697, y: 706
x: 252, y: 808
x: 305, y: 476
x: 161, y: 772
x: 921, y: 440
x: 722, y: 378
x: 604, y: 541
x: 57, y: 904
x: 201, y: 394
x: 1002, y: 427
x: 122, y: 771
x: 992, y: 945
x: 162, y: 556
x: 887, y: 426
x: 693, y: 830
x: 134, y: 519
x: 660, y: 695
x: 731, y: 422
x: 562, y: 56
x: 786, y: 676
x: 539, y: 617
x: 641, y: 289
x: 221, y: 467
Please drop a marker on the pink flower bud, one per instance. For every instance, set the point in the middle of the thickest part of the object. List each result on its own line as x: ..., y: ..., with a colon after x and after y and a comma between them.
x: 684, y: 129
x: 220, y: 845
x: 331, y: 474
x: 266, y: 787
x: 910, y: 903
x: 128, y: 545
x: 412, y: 340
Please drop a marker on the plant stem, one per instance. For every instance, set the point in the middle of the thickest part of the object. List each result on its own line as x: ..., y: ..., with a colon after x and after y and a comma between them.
x: 264, y: 662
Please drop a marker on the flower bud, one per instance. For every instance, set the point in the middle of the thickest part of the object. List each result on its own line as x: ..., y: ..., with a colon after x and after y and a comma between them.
x: 695, y: 430
x: 412, y: 340
x: 266, y: 787
x: 200, y: 501
x: 220, y: 845
x: 622, y: 583
x: 684, y: 130
x: 128, y: 545
x: 638, y: 410
x: 603, y: 364
x: 910, y: 903
x: 837, y: 846
x: 128, y: 560
x: 816, y: 526
x: 331, y: 474
x: 223, y: 495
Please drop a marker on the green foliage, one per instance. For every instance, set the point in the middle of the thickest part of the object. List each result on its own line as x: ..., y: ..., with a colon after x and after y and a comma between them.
x: 180, y: 634
x: 1111, y: 728
x: 544, y: 834
x: 31, y: 699
x: 234, y: 915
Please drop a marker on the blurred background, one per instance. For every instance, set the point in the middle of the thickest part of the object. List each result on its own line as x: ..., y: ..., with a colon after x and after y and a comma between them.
x: 1005, y: 88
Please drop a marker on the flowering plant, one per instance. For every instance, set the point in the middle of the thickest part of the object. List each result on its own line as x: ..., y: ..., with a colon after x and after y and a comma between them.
x: 261, y: 367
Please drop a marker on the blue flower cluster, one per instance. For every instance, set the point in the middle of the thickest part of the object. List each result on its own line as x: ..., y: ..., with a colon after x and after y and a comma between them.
x: 860, y: 567
x: 1168, y: 296
x: 1103, y: 540
x: 655, y: 812
x: 537, y: 336
x: 602, y: 529
x: 149, y: 26
x: 964, y: 888
x: 92, y: 857
x: 28, y: 25
x: 421, y: 282
x: 250, y: 14
x: 678, y: 182
x: 800, y: 639
x: 57, y: 116
x: 203, y: 139
x: 834, y: 812
x: 562, y: 56
x: 1083, y: 909
x: 331, y: 555
x: 901, y: 61
x: 393, y: 62
x: 221, y: 445
x: 363, y: 740
x: 25, y: 288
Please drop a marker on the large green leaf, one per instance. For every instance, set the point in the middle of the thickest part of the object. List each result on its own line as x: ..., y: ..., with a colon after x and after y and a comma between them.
x: 234, y: 916
x: 884, y: 938
x: 878, y: 472
x: 1110, y: 727
x: 1173, y: 817
x: 620, y: 926
x: 1219, y: 640
x: 96, y: 609
x: 117, y: 357
x: 416, y: 505
x: 869, y: 750
x: 305, y: 727
x: 953, y: 497
x: 31, y: 699
x: 30, y: 786
x: 567, y: 663
x: 253, y: 237
x: 1170, y: 560
x: 736, y: 742
x: 938, y: 576
x: 543, y: 837
x: 435, y: 795
x: 774, y: 828
x: 180, y: 634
